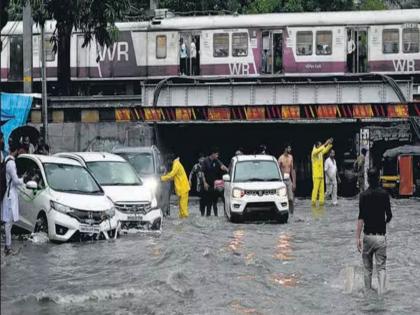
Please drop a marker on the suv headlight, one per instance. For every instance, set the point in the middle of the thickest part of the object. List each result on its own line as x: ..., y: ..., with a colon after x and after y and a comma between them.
x: 60, y: 207
x: 110, y: 212
x: 282, y: 192
x: 151, y: 183
x: 238, y: 193
x: 153, y: 203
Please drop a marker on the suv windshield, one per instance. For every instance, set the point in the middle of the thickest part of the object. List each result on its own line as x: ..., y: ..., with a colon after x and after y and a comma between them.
x: 112, y: 173
x: 142, y: 162
x: 71, y: 179
x: 256, y: 171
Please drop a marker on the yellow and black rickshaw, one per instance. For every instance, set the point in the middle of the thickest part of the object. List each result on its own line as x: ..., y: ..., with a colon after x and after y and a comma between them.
x: 401, y: 171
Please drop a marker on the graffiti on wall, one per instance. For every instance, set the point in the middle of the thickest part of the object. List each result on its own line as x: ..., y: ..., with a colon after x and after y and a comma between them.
x: 401, y: 132
x: 99, y: 144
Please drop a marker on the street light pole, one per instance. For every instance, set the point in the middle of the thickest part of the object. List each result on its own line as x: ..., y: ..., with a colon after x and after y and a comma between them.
x: 44, y: 110
x: 27, y: 48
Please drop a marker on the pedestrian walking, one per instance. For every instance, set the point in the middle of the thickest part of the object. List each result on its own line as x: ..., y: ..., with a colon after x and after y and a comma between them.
x: 198, y: 175
x: 331, y: 177
x: 359, y: 167
x: 213, y: 168
x: 289, y: 175
x: 182, y: 186
x: 10, y: 200
x: 374, y: 214
x: 317, y: 157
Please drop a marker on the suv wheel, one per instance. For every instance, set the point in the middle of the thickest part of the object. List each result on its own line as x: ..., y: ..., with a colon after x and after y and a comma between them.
x: 41, y: 224
x: 236, y: 218
x: 283, y: 218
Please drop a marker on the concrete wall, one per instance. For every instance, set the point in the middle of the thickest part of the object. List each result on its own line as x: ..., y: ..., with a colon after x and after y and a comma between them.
x: 99, y: 136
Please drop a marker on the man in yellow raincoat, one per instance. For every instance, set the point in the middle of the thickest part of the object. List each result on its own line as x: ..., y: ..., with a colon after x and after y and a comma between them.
x: 317, y: 157
x: 182, y: 186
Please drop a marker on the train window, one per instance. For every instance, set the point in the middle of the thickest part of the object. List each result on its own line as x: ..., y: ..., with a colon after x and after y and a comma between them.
x: 324, y: 43
x: 220, y: 45
x: 411, y: 40
x: 49, y: 49
x: 391, y: 41
x: 161, y: 46
x: 239, y: 44
x: 304, y: 43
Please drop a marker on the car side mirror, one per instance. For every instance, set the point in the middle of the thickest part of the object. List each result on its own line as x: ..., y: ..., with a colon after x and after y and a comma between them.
x: 161, y: 169
x: 226, y: 178
x: 32, y: 185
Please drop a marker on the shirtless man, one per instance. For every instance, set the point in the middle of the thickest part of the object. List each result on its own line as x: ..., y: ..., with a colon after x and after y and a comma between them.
x: 289, y: 175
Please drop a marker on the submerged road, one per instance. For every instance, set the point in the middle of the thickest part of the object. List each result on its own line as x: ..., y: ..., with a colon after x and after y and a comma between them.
x: 210, y: 266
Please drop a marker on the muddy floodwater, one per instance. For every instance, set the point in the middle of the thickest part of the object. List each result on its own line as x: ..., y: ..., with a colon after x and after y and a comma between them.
x: 210, y: 266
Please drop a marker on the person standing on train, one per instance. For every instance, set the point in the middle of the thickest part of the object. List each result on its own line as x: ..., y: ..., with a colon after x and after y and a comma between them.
x: 184, y: 56
x: 193, y: 56
x: 351, y: 47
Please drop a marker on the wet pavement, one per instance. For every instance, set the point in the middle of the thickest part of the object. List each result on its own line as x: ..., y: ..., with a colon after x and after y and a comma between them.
x: 210, y: 266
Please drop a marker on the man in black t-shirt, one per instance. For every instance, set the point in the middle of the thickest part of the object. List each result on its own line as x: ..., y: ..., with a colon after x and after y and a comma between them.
x: 212, y: 168
x: 374, y: 214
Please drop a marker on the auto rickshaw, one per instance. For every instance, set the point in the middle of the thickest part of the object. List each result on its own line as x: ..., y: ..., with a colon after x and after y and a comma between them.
x: 401, y: 171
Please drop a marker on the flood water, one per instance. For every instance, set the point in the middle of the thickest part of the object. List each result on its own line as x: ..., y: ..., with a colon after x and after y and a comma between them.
x: 209, y: 266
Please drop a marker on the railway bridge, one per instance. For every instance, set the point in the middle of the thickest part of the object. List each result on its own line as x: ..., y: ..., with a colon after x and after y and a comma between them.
x: 190, y: 115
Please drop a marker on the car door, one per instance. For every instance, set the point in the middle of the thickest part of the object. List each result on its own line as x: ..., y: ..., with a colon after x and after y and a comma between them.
x: 31, y: 202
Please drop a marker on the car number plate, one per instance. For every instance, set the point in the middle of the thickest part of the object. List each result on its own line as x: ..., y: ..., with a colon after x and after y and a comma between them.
x: 91, y: 229
x: 134, y: 218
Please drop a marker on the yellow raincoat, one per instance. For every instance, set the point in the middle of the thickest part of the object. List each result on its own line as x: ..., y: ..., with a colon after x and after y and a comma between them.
x: 317, y: 158
x: 182, y: 186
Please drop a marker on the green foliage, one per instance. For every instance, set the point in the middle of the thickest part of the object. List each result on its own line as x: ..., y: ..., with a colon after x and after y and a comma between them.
x: 373, y: 5
x: 94, y: 18
x: 293, y: 6
x: 263, y: 6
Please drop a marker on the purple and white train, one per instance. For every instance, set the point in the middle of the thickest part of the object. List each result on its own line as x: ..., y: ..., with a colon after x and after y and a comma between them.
x: 245, y: 45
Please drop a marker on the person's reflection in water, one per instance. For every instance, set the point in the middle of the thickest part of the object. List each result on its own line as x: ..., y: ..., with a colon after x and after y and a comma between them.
x: 318, y: 211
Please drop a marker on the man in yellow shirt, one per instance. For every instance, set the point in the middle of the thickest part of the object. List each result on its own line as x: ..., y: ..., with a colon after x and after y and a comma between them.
x: 182, y: 186
x: 317, y: 157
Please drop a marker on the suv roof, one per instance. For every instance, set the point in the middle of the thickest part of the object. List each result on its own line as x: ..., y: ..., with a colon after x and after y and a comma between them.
x: 256, y: 157
x: 135, y: 149
x: 49, y: 159
x: 96, y: 156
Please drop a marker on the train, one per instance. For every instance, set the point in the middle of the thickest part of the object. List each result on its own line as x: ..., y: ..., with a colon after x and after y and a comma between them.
x: 277, y: 44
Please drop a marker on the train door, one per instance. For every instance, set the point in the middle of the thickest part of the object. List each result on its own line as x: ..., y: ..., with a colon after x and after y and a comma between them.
x: 189, y: 53
x: 272, y: 52
x: 16, y: 57
x: 357, y: 50
x: 405, y: 165
x: 277, y: 52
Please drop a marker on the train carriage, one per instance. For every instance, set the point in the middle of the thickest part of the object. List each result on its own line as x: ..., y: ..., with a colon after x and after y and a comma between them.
x: 322, y: 43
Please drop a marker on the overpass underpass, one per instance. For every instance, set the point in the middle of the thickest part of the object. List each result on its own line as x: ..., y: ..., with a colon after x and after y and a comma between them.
x: 190, y: 139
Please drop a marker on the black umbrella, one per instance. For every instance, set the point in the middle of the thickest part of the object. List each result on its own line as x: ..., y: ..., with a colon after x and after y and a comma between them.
x: 26, y: 131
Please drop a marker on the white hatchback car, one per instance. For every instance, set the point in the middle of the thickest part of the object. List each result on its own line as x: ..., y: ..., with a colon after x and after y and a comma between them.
x: 254, y: 186
x: 62, y: 199
x: 135, y: 204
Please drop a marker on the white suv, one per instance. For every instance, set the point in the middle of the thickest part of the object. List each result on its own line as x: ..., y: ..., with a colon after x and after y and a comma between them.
x: 135, y: 204
x: 254, y: 186
x: 62, y: 199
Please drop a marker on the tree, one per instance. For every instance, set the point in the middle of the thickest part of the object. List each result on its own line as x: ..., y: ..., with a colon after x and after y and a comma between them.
x: 94, y: 18
x: 373, y: 5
